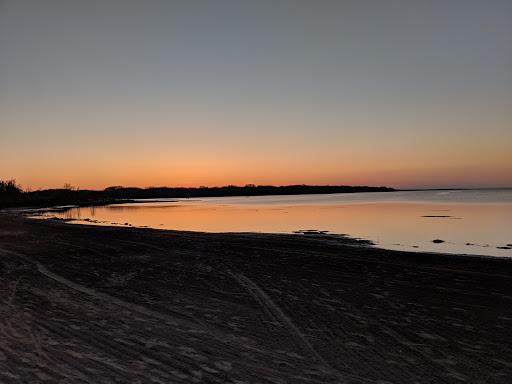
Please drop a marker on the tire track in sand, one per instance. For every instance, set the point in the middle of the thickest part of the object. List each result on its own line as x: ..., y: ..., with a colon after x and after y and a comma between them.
x: 264, y: 300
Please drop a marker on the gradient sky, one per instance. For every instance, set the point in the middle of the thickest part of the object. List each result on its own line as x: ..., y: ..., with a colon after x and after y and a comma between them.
x: 400, y: 93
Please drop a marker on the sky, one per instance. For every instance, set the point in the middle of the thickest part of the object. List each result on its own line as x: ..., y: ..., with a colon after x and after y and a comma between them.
x: 408, y: 94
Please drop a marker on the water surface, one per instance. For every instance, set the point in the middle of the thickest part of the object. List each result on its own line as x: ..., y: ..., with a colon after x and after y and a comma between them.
x: 470, y: 222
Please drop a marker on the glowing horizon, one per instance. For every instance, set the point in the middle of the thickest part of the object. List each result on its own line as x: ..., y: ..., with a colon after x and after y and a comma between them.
x: 404, y: 94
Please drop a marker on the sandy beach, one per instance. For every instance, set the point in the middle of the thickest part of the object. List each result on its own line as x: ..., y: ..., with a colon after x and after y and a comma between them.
x: 91, y: 304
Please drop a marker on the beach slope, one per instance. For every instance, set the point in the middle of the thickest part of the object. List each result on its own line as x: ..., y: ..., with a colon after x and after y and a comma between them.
x: 92, y: 304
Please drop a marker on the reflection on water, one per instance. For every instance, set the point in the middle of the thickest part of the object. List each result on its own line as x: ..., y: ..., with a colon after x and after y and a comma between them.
x: 473, y: 222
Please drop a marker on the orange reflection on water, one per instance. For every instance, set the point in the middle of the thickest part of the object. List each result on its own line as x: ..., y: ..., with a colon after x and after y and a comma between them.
x: 465, y: 228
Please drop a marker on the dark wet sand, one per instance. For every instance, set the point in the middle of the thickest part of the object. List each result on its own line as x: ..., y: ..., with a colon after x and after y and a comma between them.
x: 90, y: 304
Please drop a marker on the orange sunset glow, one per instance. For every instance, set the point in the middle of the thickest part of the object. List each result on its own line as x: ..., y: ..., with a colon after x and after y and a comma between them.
x: 341, y: 104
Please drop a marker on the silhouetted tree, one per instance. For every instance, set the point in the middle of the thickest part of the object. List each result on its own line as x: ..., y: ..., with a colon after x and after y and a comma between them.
x: 9, y: 188
x: 10, y: 193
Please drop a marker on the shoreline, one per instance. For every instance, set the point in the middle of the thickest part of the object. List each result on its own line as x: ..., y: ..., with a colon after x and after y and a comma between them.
x: 312, y: 234
x: 46, y: 214
x: 140, y: 304
x: 344, y: 239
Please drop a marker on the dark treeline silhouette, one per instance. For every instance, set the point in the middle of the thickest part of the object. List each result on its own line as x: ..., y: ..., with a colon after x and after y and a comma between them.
x: 14, y: 197
x: 233, y: 190
x: 10, y: 193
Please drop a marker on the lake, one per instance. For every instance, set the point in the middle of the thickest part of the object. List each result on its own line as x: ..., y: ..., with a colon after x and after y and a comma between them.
x: 468, y: 221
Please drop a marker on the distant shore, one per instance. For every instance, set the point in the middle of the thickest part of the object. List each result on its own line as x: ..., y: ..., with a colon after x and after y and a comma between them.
x: 74, y: 196
x: 87, y: 302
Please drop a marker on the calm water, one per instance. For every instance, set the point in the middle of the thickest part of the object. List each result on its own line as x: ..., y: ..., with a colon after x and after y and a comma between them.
x: 471, y: 222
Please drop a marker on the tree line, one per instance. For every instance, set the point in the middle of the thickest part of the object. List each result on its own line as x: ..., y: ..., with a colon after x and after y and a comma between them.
x: 12, y: 195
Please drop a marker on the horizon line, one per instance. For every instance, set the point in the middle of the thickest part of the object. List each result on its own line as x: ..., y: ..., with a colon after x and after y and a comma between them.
x: 396, y: 189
